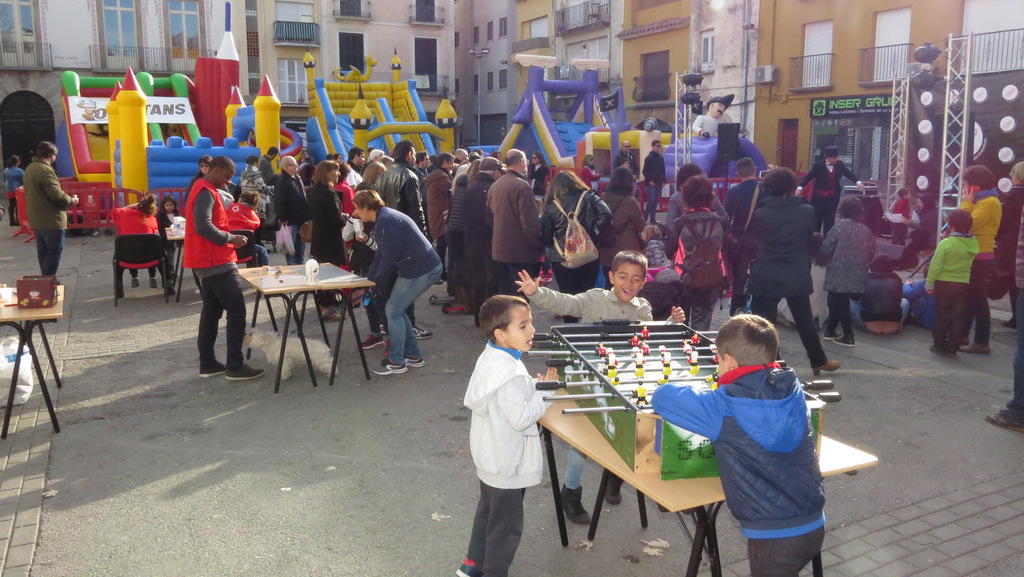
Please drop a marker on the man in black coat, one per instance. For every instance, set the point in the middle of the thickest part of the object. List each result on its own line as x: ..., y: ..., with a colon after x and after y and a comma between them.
x: 399, y: 185
x: 654, y: 180
x: 625, y: 158
x: 290, y: 205
x: 827, y: 175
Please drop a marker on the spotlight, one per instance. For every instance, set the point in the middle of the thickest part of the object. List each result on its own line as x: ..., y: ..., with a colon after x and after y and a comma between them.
x: 693, y: 79
x: 924, y: 80
x: 690, y: 98
x: 926, y: 53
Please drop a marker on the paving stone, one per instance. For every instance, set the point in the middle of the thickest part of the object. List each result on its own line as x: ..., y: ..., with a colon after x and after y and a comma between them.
x: 897, y: 569
x: 849, y: 532
x: 830, y: 559
x: 964, y: 564
x: 907, y: 513
x: 995, y: 552
x: 986, y: 487
x: 34, y: 484
x: 927, y: 558
x: 20, y: 555
x: 24, y: 535
x: 993, y: 500
x: 962, y: 495
x: 939, y: 503
x: 879, y: 522
x: 939, y: 518
x: 856, y: 566
x: 28, y: 515
x: 1016, y: 541
x: 912, y: 527
x: 985, y: 536
x: 1001, y: 513
x: 959, y: 546
x: 888, y: 554
x: 882, y: 538
x: 1010, y: 527
x: 22, y: 571
x: 937, y: 571
x: 852, y: 549
x: 968, y: 508
x: 950, y: 531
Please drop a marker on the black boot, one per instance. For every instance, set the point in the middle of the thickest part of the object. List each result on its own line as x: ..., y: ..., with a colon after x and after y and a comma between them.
x: 613, y: 493
x: 572, y: 506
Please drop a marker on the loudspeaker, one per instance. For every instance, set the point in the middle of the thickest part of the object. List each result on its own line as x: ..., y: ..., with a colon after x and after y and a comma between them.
x: 729, y: 142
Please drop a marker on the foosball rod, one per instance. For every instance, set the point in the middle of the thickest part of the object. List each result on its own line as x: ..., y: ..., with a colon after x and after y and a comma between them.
x: 609, y: 343
x: 594, y: 410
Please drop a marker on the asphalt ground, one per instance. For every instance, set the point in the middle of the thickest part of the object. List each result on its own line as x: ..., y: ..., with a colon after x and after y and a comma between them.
x: 158, y: 472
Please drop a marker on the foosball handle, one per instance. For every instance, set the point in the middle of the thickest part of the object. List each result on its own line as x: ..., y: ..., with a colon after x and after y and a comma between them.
x: 613, y: 323
x: 560, y: 363
x: 830, y: 396
x: 542, y: 337
x: 819, y: 385
x: 550, y: 385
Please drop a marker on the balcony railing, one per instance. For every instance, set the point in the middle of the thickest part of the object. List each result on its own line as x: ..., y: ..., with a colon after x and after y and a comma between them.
x: 652, y: 88
x: 352, y: 9
x: 24, y: 55
x: 297, y: 33
x: 582, y: 16
x: 426, y: 14
x: 998, y: 51
x: 433, y: 84
x: 531, y: 43
x: 810, y: 71
x: 883, y: 63
x: 105, y: 58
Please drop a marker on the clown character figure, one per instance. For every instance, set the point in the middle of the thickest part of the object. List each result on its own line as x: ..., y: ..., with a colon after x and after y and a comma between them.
x: 706, y: 125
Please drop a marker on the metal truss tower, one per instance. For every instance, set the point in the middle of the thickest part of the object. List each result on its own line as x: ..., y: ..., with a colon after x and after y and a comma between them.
x: 898, y: 140
x: 682, y: 120
x: 956, y: 127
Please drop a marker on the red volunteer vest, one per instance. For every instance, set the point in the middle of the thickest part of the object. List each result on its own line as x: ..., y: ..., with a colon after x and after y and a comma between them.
x: 199, y: 252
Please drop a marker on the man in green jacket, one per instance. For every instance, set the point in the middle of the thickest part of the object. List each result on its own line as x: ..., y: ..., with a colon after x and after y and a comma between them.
x: 46, y: 206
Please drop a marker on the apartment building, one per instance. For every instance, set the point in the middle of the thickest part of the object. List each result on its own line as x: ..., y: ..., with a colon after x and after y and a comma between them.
x: 655, y: 46
x: 486, y: 83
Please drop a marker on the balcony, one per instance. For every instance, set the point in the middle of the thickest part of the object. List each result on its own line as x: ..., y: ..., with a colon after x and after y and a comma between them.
x: 25, y: 55
x: 104, y: 58
x: 810, y: 72
x: 653, y: 88
x: 433, y: 84
x: 352, y: 9
x: 531, y: 43
x: 582, y: 17
x: 426, y: 14
x: 296, y: 33
x: 883, y: 64
x: 998, y: 51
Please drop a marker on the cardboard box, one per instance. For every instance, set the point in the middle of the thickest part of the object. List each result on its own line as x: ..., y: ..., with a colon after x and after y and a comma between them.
x: 37, y: 292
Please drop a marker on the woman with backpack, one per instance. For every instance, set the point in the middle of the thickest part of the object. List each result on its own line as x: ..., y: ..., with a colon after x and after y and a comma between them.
x: 627, y: 218
x: 568, y: 197
x: 694, y: 244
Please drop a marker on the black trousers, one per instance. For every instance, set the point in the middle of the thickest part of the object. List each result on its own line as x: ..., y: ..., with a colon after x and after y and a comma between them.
x: 739, y: 263
x: 839, y: 312
x: 783, y: 557
x: 508, y: 274
x: 800, y: 308
x: 222, y: 292
x: 12, y: 211
x: 825, y: 210
x: 978, y: 312
x: 497, y: 529
x: 951, y: 302
x: 573, y: 281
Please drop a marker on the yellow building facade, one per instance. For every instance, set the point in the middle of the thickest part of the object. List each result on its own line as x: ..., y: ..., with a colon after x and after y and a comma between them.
x: 655, y: 45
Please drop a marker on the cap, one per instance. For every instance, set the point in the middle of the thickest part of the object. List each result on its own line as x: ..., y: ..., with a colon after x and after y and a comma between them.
x: 490, y: 164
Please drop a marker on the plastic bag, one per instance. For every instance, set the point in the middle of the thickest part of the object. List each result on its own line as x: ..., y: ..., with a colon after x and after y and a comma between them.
x: 285, y: 240
x: 26, y: 378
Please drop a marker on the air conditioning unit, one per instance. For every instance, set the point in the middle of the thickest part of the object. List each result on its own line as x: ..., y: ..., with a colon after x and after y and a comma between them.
x: 764, y: 74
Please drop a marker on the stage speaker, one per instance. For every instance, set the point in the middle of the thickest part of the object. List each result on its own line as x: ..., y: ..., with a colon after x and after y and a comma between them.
x: 729, y: 142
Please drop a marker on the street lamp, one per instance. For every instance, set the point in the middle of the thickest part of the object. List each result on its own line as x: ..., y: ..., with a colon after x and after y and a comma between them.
x: 478, y: 54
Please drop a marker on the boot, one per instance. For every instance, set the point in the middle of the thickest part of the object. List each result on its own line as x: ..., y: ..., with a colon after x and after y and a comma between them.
x: 613, y: 493
x: 572, y: 506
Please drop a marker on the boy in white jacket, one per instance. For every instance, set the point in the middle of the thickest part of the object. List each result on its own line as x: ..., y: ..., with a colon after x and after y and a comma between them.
x: 503, y: 435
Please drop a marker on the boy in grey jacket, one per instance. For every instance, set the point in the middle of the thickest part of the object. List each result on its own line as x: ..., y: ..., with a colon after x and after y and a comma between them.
x: 503, y: 435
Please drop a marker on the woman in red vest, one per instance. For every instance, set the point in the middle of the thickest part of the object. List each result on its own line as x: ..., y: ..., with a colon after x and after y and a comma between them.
x: 138, y: 218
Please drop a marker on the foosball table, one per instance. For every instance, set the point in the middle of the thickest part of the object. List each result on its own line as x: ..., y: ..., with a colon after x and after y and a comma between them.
x: 608, y: 372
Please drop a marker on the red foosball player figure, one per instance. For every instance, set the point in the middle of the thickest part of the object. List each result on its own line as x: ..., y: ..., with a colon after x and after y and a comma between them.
x: 635, y: 341
x: 645, y: 332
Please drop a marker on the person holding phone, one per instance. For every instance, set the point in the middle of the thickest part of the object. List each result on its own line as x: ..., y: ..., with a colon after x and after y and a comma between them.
x: 46, y: 206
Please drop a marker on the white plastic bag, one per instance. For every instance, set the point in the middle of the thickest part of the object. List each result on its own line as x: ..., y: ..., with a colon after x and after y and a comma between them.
x: 285, y: 240
x: 26, y: 378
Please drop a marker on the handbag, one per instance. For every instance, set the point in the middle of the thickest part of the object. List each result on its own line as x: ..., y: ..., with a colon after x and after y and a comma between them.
x: 577, y: 248
x: 306, y: 232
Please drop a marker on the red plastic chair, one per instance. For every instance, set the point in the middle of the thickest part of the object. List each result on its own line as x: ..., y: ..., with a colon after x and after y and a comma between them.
x: 138, y: 251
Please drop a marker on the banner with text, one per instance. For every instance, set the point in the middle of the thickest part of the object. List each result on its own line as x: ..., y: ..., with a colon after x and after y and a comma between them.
x: 159, y: 109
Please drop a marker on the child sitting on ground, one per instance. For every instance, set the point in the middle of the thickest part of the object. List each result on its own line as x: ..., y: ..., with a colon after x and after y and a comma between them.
x: 503, y: 434
x: 242, y: 215
x: 758, y: 421
x: 949, y: 275
x: 138, y: 218
x: 628, y: 275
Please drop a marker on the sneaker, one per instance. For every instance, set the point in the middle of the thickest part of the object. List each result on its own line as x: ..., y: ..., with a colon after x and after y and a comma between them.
x: 1010, y: 324
x: 244, y: 373
x: 414, y: 362
x: 829, y: 335
x: 372, y: 341
x: 845, y: 340
x: 135, y: 282
x: 152, y: 282
x: 613, y: 493
x: 386, y: 367
x: 1005, y: 420
x: 422, y: 334
x: 212, y: 370
x: 469, y: 569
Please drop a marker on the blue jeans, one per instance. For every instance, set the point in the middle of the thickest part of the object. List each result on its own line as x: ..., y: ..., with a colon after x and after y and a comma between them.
x: 1016, y: 405
x: 262, y: 258
x: 300, y: 248
x: 49, y: 248
x: 400, y: 330
x: 574, y: 469
x: 651, y: 206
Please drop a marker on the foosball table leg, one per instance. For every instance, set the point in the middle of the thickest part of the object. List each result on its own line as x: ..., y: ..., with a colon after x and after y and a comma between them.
x: 642, y: 503
x: 598, y: 504
x: 555, y: 486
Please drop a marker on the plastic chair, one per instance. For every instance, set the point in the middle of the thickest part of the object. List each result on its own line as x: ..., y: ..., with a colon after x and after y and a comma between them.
x: 138, y: 251
x: 247, y: 254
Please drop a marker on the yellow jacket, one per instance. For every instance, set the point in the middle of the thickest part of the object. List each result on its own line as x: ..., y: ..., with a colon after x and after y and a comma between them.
x: 986, y: 213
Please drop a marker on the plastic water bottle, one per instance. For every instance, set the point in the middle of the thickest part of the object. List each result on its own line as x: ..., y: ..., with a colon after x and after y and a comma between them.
x: 367, y: 298
x: 312, y: 272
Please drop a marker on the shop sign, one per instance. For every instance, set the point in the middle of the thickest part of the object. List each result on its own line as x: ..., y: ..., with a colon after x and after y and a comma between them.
x: 851, y: 105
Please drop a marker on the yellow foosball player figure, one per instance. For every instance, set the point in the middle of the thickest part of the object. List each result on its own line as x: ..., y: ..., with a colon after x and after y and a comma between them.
x: 759, y: 423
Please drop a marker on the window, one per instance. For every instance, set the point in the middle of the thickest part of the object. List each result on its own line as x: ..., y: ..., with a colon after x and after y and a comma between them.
x: 425, y: 68
x: 817, y: 60
x: 892, y: 44
x: 502, y: 27
x: 291, y: 81
x: 490, y: 30
x: 293, y: 11
x: 476, y: 83
x: 490, y: 81
x: 183, y: 26
x: 502, y: 79
x: 456, y: 39
x: 119, y: 26
x: 350, y: 50
x: 707, y: 51
x: 476, y: 35
x: 654, y: 84
x: 16, y: 22
x: 592, y: 48
x: 457, y: 86
x: 537, y: 28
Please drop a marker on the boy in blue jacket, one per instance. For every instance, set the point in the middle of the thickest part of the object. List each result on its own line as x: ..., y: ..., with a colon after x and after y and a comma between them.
x: 760, y: 425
